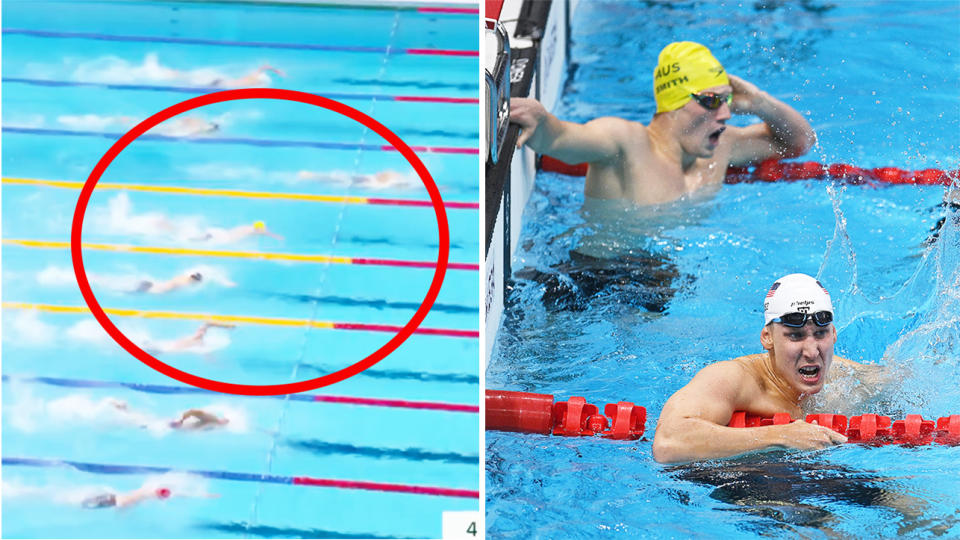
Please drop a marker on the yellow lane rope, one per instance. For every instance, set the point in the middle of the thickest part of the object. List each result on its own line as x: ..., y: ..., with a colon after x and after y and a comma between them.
x: 183, y: 251
x: 193, y: 191
x: 274, y: 321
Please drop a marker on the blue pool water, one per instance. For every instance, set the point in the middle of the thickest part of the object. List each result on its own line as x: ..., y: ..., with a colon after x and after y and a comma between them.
x: 79, y: 74
x: 878, y: 82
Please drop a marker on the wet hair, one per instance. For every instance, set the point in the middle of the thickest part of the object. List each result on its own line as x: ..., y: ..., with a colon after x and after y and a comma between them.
x: 144, y: 286
x: 196, y: 276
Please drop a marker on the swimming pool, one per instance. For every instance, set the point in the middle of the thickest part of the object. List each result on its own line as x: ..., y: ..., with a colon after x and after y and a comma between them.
x: 361, y: 458
x: 876, y: 81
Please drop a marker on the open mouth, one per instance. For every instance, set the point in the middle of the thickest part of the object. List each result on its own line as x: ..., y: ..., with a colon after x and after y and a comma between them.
x: 810, y: 373
x: 715, y: 136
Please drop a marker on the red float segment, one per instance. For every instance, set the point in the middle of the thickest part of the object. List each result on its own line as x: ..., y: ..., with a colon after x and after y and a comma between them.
x: 576, y: 418
x: 836, y: 422
x: 868, y: 428
x: 948, y: 429
x: 745, y: 419
x: 519, y: 411
x: 537, y: 413
x: 773, y: 170
x: 628, y: 421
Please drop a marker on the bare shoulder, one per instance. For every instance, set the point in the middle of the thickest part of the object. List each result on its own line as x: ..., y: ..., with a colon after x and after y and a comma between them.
x: 618, y: 128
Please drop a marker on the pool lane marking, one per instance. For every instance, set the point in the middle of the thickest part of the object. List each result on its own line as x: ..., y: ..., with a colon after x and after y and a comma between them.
x: 449, y: 10
x: 239, y: 193
x: 104, y: 468
x: 257, y: 255
x: 313, y: 398
x: 231, y: 43
x: 211, y: 89
x: 270, y: 321
x: 244, y: 141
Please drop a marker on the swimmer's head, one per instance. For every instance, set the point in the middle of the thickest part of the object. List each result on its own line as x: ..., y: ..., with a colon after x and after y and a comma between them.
x: 162, y: 493
x: 259, y: 226
x: 797, y: 294
x: 196, y: 276
x: 684, y: 68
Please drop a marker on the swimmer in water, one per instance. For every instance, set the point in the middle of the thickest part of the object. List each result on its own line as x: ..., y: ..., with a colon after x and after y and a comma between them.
x: 686, y: 146
x: 193, y: 341
x: 189, y: 420
x: 201, y: 420
x: 217, y: 235
x: 185, y: 126
x: 799, y: 337
x: 124, y: 500
x: 377, y: 181
x: 179, y: 282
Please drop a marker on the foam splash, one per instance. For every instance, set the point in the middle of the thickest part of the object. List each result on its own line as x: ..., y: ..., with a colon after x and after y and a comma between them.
x: 119, y: 219
x: 25, y: 328
x: 179, y: 483
x: 112, y: 69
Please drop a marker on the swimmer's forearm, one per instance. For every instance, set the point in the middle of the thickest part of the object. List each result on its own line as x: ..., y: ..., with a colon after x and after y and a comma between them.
x: 697, y: 439
x: 790, y: 129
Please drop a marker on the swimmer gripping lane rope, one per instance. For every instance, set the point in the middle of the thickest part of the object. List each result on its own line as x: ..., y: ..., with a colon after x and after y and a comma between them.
x: 537, y: 413
x: 774, y: 170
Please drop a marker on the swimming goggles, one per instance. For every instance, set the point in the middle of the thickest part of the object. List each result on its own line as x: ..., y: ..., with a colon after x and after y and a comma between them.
x: 711, y: 101
x: 797, y: 320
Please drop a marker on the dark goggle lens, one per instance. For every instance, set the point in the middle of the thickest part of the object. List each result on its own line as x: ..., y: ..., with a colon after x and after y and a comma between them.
x: 797, y: 320
x: 713, y: 101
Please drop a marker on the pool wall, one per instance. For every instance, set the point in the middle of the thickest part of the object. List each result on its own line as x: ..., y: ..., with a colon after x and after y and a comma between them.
x: 541, y: 79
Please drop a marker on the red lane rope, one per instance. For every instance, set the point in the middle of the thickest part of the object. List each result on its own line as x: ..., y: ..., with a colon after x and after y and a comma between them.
x: 112, y: 468
x: 378, y: 486
x: 399, y: 403
x: 391, y: 328
x: 436, y: 99
x: 413, y: 264
x: 320, y: 398
x: 467, y: 11
x: 411, y: 202
x: 774, y: 170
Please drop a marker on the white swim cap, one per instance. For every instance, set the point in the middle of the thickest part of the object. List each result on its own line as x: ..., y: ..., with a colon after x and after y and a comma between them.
x: 796, y: 293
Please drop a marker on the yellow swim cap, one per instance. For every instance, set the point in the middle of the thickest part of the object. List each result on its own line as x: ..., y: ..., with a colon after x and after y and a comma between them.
x: 684, y: 68
x: 259, y: 226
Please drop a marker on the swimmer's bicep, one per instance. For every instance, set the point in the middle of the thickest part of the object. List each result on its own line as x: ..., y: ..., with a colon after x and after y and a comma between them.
x: 597, y: 141
x: 712, y: 395
x: 752, y: 144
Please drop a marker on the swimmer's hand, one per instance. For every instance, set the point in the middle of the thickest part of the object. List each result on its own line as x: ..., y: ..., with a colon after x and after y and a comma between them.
x: 528, y: 114
x: 804, y: 436
x: 747, y: 98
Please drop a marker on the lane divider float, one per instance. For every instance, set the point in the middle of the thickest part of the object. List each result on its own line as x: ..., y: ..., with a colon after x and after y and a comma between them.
x: 773, y: 170
x: 314, y: 398
x: 244, y: 319
x: 215, y: 192
x: 259, y: 255
x: 537, y: 413
x: 246, y: 141
x: 233, y: 43
x: 339, y: 96
x: 110, y: 468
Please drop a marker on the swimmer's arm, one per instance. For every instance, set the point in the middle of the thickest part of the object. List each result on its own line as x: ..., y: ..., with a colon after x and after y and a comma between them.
x: 784, y: 133
x: 693, y: 423
x: 595, y: 141
x: 872, y: 375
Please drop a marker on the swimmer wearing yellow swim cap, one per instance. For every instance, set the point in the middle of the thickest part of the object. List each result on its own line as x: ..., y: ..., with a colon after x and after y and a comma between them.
x: 259, y: 226
x: 683, y: 70
x: 687, y: 145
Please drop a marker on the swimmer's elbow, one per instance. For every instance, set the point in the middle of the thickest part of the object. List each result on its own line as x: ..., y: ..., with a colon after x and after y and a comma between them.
x: 666, y: 450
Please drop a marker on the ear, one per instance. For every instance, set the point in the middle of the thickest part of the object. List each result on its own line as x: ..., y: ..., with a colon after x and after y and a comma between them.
x: 766, y: 338
x: 834, y: 327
